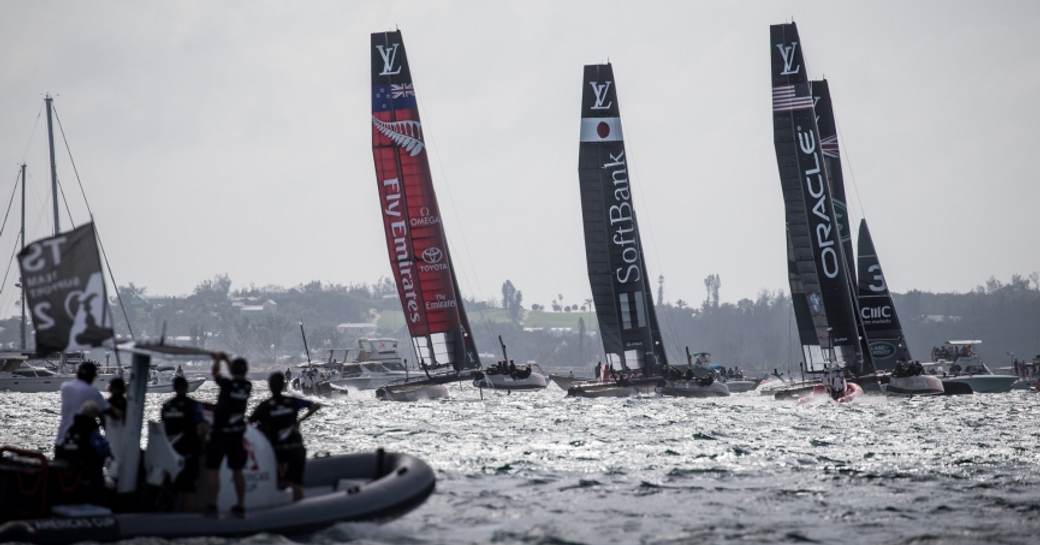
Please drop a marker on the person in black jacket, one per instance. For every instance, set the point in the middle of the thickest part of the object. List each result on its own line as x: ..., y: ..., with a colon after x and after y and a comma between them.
x: 279, y: 419
x: 229, y: 428
x: 185, y: 428
x: 85, y: 449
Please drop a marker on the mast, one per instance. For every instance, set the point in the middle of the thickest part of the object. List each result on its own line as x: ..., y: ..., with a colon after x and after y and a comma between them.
x: 22, y: 235
x: 54, y: 167
x: 419, y: 255
x: 621, y: 285
x: 817, y: 266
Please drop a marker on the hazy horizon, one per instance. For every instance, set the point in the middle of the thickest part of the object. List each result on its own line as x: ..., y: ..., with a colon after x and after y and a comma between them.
x: 235, y: 137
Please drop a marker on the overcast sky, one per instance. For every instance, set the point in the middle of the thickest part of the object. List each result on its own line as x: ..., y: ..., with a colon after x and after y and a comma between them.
x: 235, y: 137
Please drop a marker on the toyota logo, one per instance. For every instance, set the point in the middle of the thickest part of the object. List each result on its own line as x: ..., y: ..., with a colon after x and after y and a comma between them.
x: 432, y: 255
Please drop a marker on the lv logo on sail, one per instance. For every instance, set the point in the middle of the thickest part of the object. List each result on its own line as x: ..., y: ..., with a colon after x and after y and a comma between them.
x: 600, y: 90
x: 787, y: 52
x: 389, y: 55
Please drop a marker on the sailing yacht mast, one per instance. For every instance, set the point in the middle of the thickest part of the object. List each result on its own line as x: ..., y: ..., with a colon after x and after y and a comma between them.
x: 22, y: 280
x: 54, y: 167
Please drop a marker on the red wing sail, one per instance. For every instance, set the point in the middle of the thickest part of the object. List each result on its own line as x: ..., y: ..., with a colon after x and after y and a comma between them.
x: 415, y: 238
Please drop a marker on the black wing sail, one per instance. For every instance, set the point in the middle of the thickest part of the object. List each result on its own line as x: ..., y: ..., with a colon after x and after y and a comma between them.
x: 887, y: 342
x: 832, y: 159
x: 620, y: 284
x: 816, y: 250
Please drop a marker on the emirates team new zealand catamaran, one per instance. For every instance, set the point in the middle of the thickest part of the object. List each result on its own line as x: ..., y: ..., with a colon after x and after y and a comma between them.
x: 415, y: 239
x: 636, y: 359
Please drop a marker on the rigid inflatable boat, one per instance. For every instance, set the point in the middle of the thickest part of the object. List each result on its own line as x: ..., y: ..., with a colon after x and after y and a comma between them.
x: 372, y: 486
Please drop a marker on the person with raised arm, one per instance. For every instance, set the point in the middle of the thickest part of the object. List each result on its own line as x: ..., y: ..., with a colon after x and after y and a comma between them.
x: 229, y: 427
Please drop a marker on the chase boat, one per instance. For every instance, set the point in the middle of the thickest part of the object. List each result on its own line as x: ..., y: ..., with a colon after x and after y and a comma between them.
x: 42, y: 502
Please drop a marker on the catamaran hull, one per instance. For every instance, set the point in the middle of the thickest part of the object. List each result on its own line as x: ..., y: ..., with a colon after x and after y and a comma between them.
x: 370, y: 487
x: 366, y: 383
x: 534, y: 381
x: 692, y: 388
x: 566, y: 381
x: 613, y: 389
x: 920, y: 385
x: 416, y: 392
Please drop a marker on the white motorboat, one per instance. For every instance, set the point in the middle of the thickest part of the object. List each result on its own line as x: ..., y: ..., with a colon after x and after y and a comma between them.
x: 373, y: 364
x: 19, y: 373
x: 160, y: 380
x: 958, y: 361
x: 412, y: 392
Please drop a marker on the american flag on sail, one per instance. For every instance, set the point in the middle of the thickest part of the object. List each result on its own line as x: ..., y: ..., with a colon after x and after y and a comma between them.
x: 829, y: 145
x: 786, y: 99
x: 401, y: 90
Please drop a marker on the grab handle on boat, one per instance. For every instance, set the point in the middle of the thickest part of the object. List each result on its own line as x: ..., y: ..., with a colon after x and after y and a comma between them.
x: 380, y: 462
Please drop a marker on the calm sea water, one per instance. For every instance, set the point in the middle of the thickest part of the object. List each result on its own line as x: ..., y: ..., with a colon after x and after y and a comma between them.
x: 545, y: 469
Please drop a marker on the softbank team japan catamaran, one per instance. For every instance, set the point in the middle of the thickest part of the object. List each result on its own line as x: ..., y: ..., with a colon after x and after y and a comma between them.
x: 819, y: 271
x: 636, y: 360
x: 415, y: 239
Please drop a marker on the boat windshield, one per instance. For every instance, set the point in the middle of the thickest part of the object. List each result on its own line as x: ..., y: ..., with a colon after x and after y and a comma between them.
x: 394, y: 366
x: 374, y: 367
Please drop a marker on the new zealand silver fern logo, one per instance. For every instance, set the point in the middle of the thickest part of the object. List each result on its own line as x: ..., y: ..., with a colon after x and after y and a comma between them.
x: 406, y: 134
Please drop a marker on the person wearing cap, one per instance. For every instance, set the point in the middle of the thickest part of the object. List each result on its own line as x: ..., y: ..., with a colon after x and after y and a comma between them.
x: 229, y: 427
x: 76, y: 392
x: 185, y: 428
x: 84, y: 448
x: 279, y: 419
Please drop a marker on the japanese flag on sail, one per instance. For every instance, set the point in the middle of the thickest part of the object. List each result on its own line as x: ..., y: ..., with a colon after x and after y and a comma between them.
x: 601, y: 129
x: 65, y: 291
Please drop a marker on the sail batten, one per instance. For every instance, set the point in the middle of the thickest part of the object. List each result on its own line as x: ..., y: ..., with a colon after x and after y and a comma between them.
x: 416, y: 243
x: 620, y: 283
x: 818, y: 271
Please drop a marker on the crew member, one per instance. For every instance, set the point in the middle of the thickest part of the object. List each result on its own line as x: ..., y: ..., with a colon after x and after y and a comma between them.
x: 85, y: 449
x: 185, y: 428
x: 278, y: 417
x: 229, y: 427
x: 76, y: 392
x: 117, y: 400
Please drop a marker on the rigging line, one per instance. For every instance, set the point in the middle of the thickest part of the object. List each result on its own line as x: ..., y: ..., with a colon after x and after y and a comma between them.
x: 32, y: 133
x: 852, y: 175
x: 9, y: 203
x: 97, y: 232
x: 8, y: 271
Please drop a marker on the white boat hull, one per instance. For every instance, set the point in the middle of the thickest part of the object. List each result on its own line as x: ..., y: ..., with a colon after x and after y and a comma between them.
x: 693, y: 388
x: 167, y: 387
x: 368, y: 383
x: 32, y: 385
x: 986, y: 384
x: 917, y: 385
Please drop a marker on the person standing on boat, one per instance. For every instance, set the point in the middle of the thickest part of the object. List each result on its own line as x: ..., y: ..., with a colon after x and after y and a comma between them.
x: 74, y: 394
x: 85, y: 449
x: 279, y: 419
x: 185, y: 428
x: 229, y: 427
